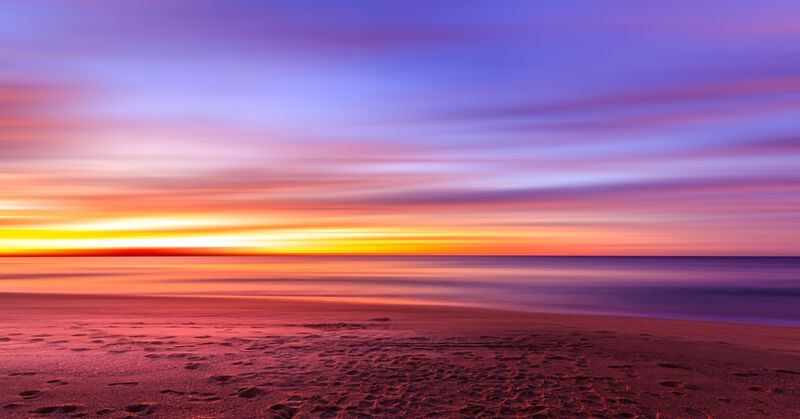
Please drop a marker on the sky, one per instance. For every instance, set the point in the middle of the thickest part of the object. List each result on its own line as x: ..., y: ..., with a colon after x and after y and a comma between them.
x: 408, y: 127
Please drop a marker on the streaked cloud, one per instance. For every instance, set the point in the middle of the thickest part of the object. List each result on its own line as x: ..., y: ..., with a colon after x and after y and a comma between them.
x: 399, y: 127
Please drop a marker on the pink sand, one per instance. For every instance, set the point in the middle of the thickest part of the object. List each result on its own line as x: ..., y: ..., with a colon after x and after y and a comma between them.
x: 100, y: 356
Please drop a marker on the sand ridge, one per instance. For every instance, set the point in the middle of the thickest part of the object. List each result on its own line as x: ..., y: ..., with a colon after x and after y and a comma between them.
x: 78, y: 356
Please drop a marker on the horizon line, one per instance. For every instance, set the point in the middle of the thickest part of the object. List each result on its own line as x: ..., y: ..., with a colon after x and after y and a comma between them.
x: 193, y: 253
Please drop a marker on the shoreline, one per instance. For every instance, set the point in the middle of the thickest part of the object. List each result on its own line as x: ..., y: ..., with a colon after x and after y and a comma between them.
x: 598, y: 317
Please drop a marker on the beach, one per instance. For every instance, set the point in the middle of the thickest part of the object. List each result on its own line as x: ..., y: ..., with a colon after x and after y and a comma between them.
x: 371, y: 209
x: 67, y: 355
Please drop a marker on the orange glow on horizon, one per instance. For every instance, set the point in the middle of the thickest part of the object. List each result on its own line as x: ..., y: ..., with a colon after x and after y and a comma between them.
x: 230, y: 235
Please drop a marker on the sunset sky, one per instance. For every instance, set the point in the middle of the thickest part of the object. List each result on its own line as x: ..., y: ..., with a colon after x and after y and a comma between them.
x: 446, y: 127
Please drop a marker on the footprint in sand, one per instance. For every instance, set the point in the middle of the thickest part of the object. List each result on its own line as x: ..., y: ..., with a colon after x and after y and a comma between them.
x: 30, y: 394
x: 284, y: 411
x: 249, y: 392
x: 620, y: 366
x: 57, y: 382
x: 49, y: 410
x: 172, y: 392
x: 672, y: 366
x: 788, y: 372
x: 193, y: 365
x: 141, y: 409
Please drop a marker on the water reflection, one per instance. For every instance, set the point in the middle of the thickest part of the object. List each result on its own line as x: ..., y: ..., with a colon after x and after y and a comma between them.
x: 765, y: 290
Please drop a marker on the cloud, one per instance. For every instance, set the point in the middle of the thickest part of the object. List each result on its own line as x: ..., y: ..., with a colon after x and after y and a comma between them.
x: 31, y: 119
x: 546, y: 196
x: 172, y: 27
x: 647, y: 109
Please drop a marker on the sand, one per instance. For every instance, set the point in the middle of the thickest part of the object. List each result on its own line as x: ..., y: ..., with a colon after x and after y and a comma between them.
x: 102, y: 356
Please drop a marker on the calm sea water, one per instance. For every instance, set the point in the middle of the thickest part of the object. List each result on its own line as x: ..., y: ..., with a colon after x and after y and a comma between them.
x: 759, y: 290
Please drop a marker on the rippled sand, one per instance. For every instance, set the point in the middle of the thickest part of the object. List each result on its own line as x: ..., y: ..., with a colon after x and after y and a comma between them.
x: 74, y: 356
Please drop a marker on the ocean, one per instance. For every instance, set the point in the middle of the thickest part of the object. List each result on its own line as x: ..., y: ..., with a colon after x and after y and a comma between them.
x: 762, y: 290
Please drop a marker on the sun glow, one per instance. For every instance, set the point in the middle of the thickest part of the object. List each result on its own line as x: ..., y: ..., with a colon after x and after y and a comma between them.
x: 204, y: 233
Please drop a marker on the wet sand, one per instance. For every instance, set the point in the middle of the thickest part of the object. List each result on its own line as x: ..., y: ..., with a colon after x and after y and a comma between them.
x: 102, y: 356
